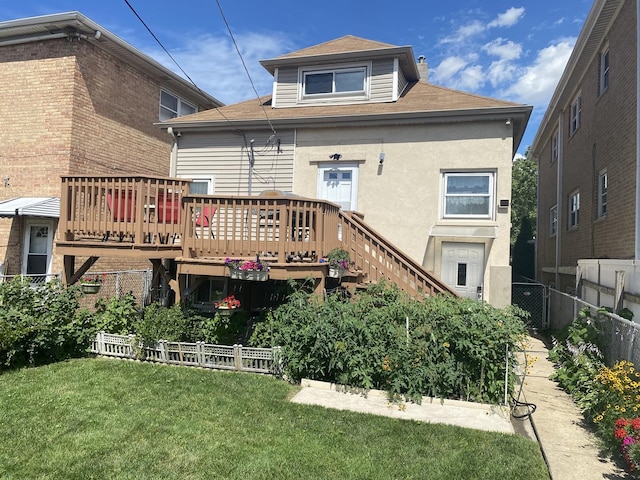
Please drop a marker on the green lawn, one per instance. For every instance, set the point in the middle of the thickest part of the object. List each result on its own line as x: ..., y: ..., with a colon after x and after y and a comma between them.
x: 100, y: 418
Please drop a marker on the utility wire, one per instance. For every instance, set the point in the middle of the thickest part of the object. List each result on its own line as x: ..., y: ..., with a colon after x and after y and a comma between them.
x: 243, y: 64
x: 176, y: 62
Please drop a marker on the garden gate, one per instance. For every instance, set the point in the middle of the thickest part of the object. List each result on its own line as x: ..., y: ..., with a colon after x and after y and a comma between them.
x: 532, y: 298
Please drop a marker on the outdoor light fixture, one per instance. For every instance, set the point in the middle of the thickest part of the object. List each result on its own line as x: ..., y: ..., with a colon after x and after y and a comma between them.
x: 508, y: 122
x: 335, y: 156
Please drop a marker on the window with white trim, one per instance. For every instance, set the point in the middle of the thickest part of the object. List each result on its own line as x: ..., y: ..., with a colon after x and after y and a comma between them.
x: 553, y: 220
x: 172, y: 106
x: 468, y: 195
x: 574, y: 210
x: 576, y: 114
x: 555, y: 147
x: 603, y: 182
x: 604, y: 70
x: 337, y: 82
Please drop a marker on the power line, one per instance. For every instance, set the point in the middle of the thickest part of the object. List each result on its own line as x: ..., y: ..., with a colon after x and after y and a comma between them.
x: 175, y: 61
x: 243, y: 64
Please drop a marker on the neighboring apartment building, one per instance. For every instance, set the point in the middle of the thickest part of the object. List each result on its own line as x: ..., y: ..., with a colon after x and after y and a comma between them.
x: 351, y: 121
x: 588, y: 163
x: 76, y: 99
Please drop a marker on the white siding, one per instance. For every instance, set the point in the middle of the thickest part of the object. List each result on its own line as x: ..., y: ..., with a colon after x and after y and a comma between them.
x: 381, y: 89
x: 402, y: 82
x: 382, y: 81
x: 225, y: 156
x: 287, y: 87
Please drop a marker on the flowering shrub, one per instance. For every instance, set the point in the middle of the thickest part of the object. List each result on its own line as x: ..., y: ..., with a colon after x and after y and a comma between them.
x: 256, y: 265
x: 627, y: 432
x: 607, y: 395
x: 93, y: 279
x: 337, y: 258
x: 228, y: 302
x: 617, y: 392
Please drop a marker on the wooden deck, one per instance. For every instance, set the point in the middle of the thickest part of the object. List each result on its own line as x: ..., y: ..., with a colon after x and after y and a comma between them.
x: 156, y: 218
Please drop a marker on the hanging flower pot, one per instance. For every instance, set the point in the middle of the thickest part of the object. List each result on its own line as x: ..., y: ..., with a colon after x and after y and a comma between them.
x: 90, y: 288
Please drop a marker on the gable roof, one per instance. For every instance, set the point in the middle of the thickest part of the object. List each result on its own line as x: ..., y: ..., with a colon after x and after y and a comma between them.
x: 347, y: 48
x: 348, y: 43
x: 76, y: 25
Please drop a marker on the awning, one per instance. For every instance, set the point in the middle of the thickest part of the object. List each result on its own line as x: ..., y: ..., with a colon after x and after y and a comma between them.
x: 463, y: 231
x: 31, y: 206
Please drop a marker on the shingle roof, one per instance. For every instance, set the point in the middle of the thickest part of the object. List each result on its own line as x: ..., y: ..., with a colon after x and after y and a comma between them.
x: 348, y: 43
x: 420, y: 97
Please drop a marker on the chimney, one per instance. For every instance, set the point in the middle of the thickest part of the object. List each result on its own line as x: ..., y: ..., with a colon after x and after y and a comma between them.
x: 423, y: 69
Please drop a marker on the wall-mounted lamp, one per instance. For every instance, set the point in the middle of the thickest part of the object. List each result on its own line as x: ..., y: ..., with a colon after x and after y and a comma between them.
x: 335, y: 156
x: 381, y: 158
x: 6, y: 182
x: 508, y: 122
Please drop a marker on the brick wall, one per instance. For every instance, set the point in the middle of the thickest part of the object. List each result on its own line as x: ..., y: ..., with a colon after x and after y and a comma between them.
x: 71, y: 108
x: 606, y: 139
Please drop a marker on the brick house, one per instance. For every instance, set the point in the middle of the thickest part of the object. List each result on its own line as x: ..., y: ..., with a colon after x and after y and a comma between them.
x: 76, y: 99
x: 587, y: 153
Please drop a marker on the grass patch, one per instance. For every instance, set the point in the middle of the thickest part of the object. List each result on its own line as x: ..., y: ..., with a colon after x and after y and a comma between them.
x: 100, y: 418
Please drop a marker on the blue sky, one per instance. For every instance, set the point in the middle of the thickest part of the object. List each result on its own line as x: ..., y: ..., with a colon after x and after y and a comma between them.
x: 511, y: 51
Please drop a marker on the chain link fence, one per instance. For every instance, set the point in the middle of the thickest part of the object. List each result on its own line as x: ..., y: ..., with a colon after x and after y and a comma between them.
x: 619, y: 338
x: 114, y: 284
x: 531, y: 297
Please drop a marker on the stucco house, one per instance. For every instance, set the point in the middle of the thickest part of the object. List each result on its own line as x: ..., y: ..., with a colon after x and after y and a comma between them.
x: 588, y: 240
x: 76, y: 99
x: 356, y: 122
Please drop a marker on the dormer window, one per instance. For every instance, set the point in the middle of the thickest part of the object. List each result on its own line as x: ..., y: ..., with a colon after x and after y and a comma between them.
x: 348, y: 82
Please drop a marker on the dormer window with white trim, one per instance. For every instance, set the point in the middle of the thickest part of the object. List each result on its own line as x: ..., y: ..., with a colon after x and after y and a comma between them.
x: 348, y: 82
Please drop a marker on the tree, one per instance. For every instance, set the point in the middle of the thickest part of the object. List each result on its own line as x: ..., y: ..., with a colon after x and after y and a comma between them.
x: 524, y: 180
x: 523, y: 258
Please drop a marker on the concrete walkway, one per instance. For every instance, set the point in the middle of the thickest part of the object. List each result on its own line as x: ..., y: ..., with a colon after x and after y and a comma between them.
x: 569, y: 448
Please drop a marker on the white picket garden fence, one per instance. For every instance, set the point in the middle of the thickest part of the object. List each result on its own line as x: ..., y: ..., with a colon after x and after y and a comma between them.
x: 198, y: 354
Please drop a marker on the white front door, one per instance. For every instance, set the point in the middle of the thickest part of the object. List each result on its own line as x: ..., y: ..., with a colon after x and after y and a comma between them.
x: 339, y: 184
x: 38, y: 244
x: 463, y: 267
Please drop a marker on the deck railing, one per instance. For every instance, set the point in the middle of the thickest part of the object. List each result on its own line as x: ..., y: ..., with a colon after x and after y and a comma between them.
x: 243, y: 226
x: 148, y: 210
x: 160, y: 212
x: 137, y: 209
x: 378, y: 258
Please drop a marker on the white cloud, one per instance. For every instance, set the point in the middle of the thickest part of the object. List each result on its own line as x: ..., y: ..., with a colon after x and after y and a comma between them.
x: 508, y: 18
x: 471, y: 78
x: 503, y: 49
x: 536, y: 83
x: 213, y: 63
x: 447, y: 69
x: 464, y: 32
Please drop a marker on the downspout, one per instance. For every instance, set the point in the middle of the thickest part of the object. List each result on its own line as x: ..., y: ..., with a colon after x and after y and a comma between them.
x: 559, y: 207
x: 637, y: 219
x: 173, y: 162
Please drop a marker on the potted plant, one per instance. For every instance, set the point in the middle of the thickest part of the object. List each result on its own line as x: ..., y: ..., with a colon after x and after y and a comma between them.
x: 257, y: 269
x: 227, y: 305
x: 338, y: 260
x: 91, y: 283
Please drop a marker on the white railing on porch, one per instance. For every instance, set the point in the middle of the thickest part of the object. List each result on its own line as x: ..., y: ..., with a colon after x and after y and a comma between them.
x: 198, y: 354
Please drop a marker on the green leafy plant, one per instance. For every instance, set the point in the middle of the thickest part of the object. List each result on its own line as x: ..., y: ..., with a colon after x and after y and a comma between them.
x: 453, y: 348
x: 93, y: 279
x: 337, y: 258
